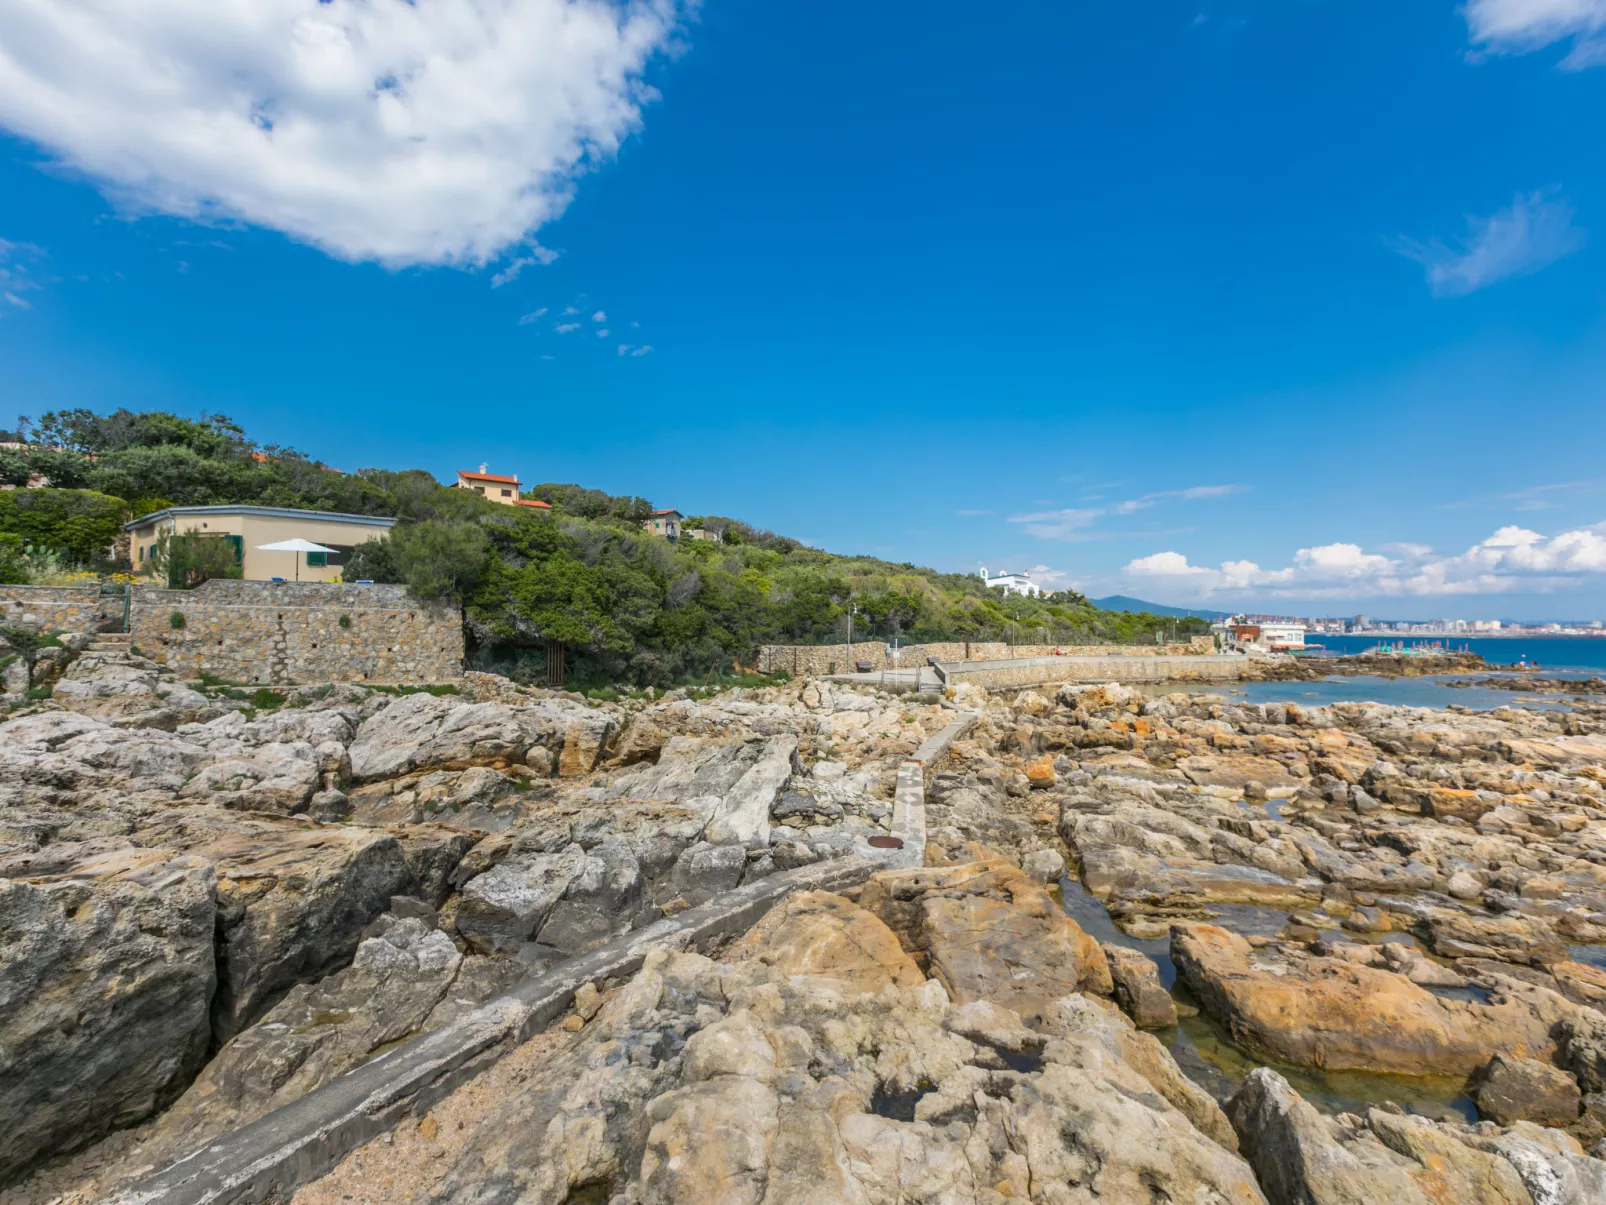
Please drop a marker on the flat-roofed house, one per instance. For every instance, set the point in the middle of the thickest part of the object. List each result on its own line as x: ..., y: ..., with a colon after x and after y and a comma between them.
x: 243, y: 528
x: 494, y: 486
x: 664, y: 523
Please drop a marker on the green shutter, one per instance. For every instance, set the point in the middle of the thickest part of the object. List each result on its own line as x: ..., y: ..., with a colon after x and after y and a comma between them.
x: 317, y: 560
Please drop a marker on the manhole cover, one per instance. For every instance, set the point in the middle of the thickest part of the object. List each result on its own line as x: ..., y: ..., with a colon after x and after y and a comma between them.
x: 887, y: 842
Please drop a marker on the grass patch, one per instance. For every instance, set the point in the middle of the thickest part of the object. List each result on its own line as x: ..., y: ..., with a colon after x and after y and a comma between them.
x: 37, y: 694
x: 437, y: 689
x: 265, y: 698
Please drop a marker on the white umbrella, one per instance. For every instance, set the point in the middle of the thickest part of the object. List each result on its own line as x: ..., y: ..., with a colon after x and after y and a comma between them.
x: 295, y: 545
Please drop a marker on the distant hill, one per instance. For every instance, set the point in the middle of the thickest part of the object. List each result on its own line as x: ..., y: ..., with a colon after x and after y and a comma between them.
x: 1136, y: 606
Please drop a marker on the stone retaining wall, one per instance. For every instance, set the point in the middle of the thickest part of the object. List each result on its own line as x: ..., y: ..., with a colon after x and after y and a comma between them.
x: 60, y: 608
x: 802, y: 660
x: 1018, y: 673
x: 280, y: 633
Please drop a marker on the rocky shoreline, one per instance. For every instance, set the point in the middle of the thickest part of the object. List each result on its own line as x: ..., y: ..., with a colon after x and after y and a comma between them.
x: 1162, y: 949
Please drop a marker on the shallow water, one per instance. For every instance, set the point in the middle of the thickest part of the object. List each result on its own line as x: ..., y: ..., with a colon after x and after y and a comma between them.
x: 1396, y: 692
x: 1208, y: 1056
x: 1594, y: 956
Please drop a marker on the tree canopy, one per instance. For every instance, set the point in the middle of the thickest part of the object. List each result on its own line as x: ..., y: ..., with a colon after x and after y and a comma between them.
x: 630, y: 606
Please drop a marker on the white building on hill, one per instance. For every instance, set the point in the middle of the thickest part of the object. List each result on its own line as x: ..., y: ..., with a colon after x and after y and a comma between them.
x: 1013, y: 583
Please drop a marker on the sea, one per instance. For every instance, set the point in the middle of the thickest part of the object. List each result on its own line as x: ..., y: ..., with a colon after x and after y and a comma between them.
x: 1557, y: 656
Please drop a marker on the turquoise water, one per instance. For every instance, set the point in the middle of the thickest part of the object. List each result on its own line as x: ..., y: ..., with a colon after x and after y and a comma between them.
x: 1562, y: 654
x: 1396, y: 692
x: 1209, y: 1057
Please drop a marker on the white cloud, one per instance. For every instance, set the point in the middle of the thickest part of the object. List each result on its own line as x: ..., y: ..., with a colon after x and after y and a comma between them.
x: 563, y: 328
x: 1518, y: 26
x: 15, y: 279
x: 532, y: 316
x: 538, y: 255
x: 1057, y: 524
x: 1513, y: 558
x: 1535, y: 232
x: 1165, y: 564
x: 603, y: 333
x: 626, y: 349
x: 1073, y: 523
x: 407, y: 133
x: 599, y: 316
x: 1051, y: 578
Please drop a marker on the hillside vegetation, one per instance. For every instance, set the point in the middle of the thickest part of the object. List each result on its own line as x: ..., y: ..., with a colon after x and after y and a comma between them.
x: 630, y: 607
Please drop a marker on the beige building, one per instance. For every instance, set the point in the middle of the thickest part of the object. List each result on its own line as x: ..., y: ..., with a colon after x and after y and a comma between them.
x: 664, y: 523
x: 491, y: 485
x: 246, y: 527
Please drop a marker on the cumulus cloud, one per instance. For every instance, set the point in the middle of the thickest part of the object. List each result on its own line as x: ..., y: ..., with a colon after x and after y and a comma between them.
x: 1519, y: 26
x: 1535, y: 232
x: 1513, y: 558
x: 407, y: 133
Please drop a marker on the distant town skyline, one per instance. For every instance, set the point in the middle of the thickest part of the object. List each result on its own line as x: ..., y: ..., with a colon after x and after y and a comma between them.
x: 1167, y: 300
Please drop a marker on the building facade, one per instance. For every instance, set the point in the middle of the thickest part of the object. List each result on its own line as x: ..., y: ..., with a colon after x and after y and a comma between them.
x: 245, y: 528
x: 1013, y: 583
x: 490, y: 485
x: 664, y: 523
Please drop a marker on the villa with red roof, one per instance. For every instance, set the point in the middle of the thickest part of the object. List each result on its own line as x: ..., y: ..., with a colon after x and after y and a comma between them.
x: 497, y: 488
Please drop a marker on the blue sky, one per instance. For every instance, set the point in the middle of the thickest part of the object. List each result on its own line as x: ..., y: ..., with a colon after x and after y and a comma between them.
x: 1292, y: 304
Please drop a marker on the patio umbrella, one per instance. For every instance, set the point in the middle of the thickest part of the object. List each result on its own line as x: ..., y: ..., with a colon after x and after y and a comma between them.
x: 295, y: 545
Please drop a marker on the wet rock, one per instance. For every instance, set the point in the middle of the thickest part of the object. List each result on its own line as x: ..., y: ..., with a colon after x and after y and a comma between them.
x: 1138, y: 990
x: 1518, y: 1089
x: 1338, y: 1015
x: 1303, y: 1158
x: 1044, y: 865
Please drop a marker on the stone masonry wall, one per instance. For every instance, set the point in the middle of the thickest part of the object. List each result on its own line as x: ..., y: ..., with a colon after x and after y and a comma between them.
x: 810, y: 660
x: 1017, y: 674
x: 288, y: 632
x: 60, y: 608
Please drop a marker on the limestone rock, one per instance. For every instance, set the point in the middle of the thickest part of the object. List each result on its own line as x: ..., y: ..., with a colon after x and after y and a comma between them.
x: 825, y: 936
x: 103, y: 1003
x: 1518, y: 1089
x: 990, y: 933
x: 1303, y: 1158
x: 1335, y: 1014
x: 507, y: 905
x: 1137, y: 988
x: 314, y: 1034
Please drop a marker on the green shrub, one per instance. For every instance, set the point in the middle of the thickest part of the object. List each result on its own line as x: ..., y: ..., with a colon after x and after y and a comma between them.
x: 190, y: 558
x: 345, y: 622
x: 39, y: 693
x: 265, y: 698
x: 176, y: 620
x: 80, y: 525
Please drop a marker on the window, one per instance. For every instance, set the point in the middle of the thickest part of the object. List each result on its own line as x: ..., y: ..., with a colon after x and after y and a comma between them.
x: 340, y: 555
x: 507, y: 493
x: 480, y: 488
